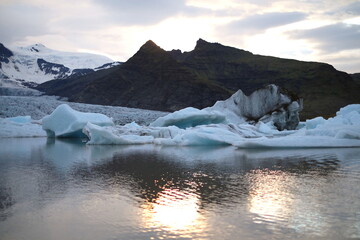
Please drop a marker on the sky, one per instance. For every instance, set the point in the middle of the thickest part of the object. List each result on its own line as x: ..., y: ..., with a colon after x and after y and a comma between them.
x: 310, y: 30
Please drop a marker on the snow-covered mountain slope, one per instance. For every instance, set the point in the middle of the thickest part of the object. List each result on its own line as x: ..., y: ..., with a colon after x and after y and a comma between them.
x: 36, y: 64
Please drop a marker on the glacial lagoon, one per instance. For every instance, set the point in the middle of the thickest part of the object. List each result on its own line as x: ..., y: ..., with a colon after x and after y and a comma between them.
x: 65, y: 189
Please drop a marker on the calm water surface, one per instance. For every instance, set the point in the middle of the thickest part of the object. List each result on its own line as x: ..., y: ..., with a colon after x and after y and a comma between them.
x: 56, y: 189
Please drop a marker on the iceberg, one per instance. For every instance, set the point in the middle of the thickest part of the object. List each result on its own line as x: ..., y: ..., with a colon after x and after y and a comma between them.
x: 270, y: 103
x: 271, y: 122
x: 190, y: 117
x: 67, y: 122
x: 343, y: 130
x: 107, y: 135
x: 21, y: 126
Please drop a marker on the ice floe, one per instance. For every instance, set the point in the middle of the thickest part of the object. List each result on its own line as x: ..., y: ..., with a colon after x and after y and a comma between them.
x: 21, y: 126
x: 341, y: 131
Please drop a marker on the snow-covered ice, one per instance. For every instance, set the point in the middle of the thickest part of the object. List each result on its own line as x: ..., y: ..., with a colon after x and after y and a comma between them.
x: 67, y: 122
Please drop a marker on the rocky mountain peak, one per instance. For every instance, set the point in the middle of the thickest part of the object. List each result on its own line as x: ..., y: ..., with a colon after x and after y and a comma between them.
x: 148, y: 53
x: 201, y: 44
x: 150, y: 46
x: 4, y: 53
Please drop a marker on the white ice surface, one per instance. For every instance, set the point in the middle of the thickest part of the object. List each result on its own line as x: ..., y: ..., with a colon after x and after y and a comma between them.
x: 190, y: 117
x: 67, y: 122
x: 340, y: 131
x: 21, y: 126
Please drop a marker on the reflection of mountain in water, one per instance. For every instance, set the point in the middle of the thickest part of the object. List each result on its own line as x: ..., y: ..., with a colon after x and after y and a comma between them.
x: 217, y: 175
x: 184, y: 190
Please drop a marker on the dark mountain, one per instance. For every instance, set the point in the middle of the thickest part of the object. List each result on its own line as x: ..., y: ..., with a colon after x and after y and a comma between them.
x: 151, y: 79
x: 4, y: 54
x: 356, y: 77
x: 52, y: 68
x: 160, y: 80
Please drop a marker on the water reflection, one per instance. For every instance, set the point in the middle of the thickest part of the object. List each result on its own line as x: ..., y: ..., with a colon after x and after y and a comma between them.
x: 176, y: 212
x: 150, y: 191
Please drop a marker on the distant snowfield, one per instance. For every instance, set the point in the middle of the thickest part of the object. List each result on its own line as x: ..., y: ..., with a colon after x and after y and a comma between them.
x: 38, y: 64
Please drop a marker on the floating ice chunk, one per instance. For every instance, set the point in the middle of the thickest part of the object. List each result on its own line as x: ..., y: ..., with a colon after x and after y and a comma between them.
x: 292, y: 141
x: 22, y: 126
x: 105, y: 135
x: 313, y: 123
x: 20, y: 119
x: 66, y: 122
x: 190, y: 117
x: 348, y: 109
x: 266, y: 128
x: 348, y: 134
x: 215, y: 134
x: 266, y: 104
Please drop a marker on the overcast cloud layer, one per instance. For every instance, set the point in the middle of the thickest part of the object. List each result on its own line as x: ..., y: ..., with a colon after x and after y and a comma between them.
x: 311, y: 30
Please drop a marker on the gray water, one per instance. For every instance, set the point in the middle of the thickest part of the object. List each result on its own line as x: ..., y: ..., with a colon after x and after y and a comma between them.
x: 55, y: 189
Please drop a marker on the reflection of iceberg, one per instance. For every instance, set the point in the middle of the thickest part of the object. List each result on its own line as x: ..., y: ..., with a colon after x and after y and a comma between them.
x: 204, y: 187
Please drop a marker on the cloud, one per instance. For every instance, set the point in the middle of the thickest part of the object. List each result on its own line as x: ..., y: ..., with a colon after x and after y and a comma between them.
x: 140, y: 12
x: 260, y: 22
x: 22, y: 20
x: 352, y: 9
x: 331, y: 38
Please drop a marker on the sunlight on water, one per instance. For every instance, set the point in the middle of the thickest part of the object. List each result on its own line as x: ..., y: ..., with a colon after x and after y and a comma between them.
x: 269, y: 197
x: 67, y: 190
x: 175, y: 211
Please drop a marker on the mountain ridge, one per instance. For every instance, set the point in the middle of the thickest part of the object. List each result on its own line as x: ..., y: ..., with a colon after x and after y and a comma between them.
x: 170, y: 80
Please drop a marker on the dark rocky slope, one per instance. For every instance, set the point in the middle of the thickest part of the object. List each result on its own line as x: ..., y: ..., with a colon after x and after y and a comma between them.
x: 356, y: 77
x: 160, y: 80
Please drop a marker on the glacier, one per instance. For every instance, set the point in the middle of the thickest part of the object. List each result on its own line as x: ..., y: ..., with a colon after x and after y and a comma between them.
x: 28, y: 66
